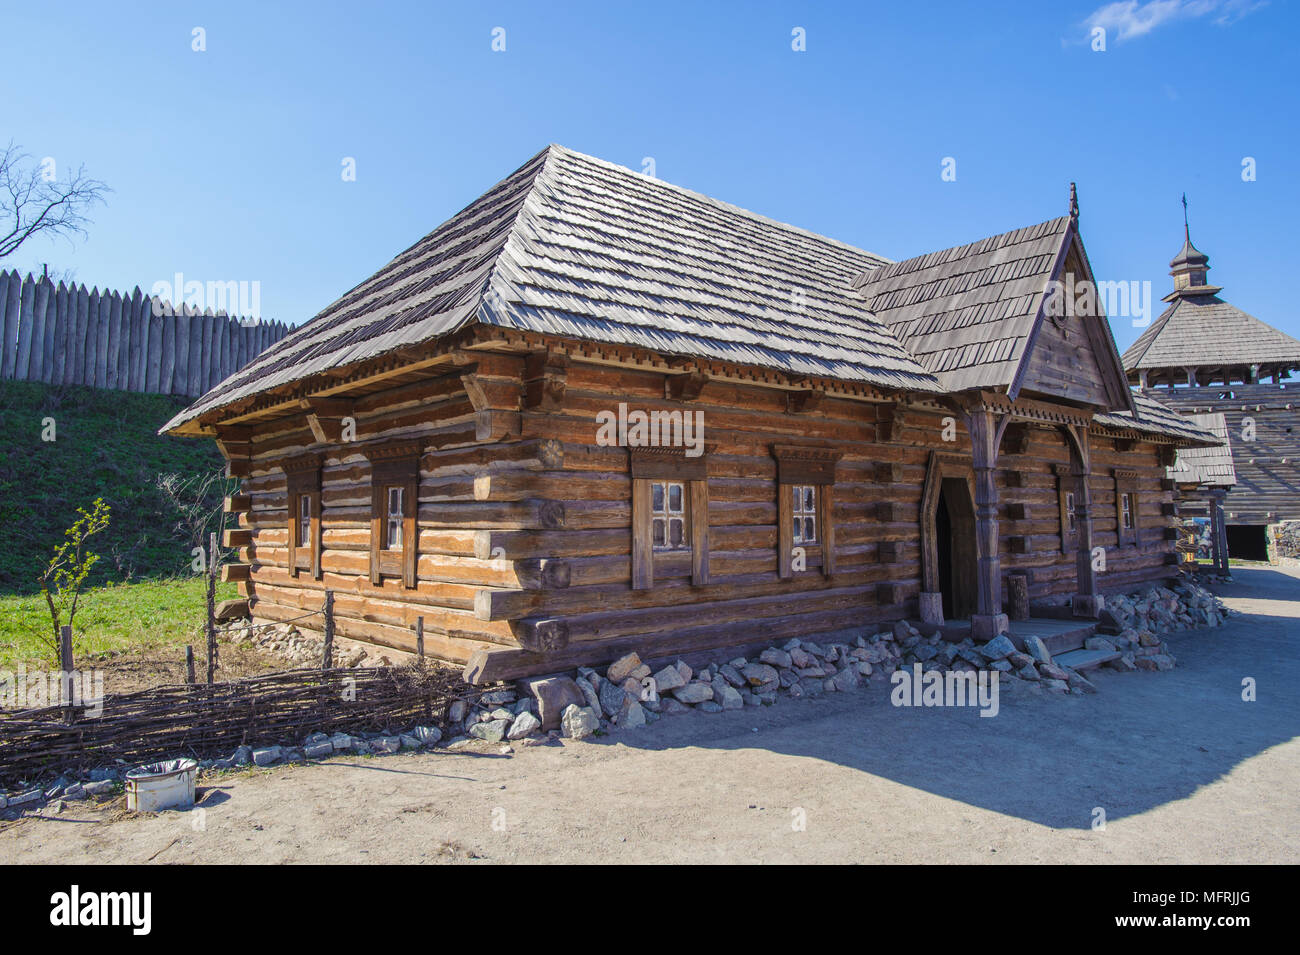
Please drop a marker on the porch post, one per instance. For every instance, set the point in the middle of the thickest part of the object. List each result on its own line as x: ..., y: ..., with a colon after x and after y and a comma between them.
x: 988, y: 621
x: 1218, y: 533
x: 1087, y: 602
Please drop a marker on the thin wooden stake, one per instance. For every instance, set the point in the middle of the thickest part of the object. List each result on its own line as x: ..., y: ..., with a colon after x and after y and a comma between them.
x: 65, y: 671
x: 419, y: 637
x: 327, y: 655
x: 189, y: 664
x: 212, y: 609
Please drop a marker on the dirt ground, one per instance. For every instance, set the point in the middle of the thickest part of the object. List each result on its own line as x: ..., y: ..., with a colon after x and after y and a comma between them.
x: 128, y: 671
x: 1184, y: 770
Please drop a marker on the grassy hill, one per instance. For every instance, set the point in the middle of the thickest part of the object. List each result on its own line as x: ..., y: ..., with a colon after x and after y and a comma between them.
x: 106, y: 445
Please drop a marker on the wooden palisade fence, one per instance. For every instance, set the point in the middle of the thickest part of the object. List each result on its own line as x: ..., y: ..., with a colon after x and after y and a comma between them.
x: 69, y: 335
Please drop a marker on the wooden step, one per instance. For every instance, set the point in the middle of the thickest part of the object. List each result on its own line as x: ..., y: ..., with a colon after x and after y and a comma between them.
x: 1065, y: 641
x: 1084, y: 659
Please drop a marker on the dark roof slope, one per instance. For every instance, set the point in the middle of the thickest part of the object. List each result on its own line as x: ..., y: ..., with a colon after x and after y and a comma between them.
x: 1206, y: 330
x: 966, y: 313
x: 1155, y: 417
x: 1207, y: 465
x: 573, y: 246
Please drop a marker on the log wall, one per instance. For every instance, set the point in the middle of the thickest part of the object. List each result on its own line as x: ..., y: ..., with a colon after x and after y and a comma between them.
x: 528, y: 525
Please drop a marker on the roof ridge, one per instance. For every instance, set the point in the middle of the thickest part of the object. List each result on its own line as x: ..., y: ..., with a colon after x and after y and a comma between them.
x: 711, y: 200
x: 979, y: 246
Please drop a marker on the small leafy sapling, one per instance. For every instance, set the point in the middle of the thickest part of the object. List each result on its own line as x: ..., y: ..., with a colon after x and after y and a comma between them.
x: 67, y: 570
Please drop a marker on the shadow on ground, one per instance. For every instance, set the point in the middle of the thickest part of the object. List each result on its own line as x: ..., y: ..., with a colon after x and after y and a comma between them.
x: 1144, y: 740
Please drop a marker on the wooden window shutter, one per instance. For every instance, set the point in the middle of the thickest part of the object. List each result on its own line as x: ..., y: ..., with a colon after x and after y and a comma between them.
x: 376, y: 527
x: 643, y: 558
x: 699, y: 532
x: 827, y: 529
x: 410, y: 538
x: 785, y: 532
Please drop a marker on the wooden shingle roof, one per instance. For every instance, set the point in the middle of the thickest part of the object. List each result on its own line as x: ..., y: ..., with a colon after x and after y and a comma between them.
x: 573, y: 246
x: 1155, y: 417
x: 967, y: 312
x: 1210, y: 465
x: 1206, y: 330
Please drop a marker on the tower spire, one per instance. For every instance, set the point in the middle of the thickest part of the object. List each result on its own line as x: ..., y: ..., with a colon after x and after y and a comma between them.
x: 1186, y: 232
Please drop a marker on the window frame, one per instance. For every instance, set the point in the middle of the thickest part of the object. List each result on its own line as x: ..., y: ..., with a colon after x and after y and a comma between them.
x: 394, y: 466
x: 1126, y: 486
x: 669, y: 515
x: 1066, y: 481
x: 302, y: 477
x: 806, y: 467
x: 657, y: 465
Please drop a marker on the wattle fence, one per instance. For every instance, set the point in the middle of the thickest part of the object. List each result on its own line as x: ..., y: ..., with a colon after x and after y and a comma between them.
x: 71, y: 335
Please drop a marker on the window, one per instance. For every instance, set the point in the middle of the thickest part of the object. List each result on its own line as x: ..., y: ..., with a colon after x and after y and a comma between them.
x: 1067, y: 484
x: 393, y: 528
x: 670, y: 516
x: 394, y: 536
x: 805, y: 486
x: 804, y: 513
x: 1126, y: 507
x: 304, y: 520
x: 303, y: 503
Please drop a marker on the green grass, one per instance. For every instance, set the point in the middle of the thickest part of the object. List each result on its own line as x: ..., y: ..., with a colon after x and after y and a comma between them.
x: 150, y: 613
x: 106, y: 445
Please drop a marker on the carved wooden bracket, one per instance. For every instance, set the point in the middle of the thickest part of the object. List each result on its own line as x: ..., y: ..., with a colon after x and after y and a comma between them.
x: 685, y: 387
x: 1015, y: 439
x: 545, y: 375
x: 890, y: 422
x: 325, y: 417
x: 804, y: 402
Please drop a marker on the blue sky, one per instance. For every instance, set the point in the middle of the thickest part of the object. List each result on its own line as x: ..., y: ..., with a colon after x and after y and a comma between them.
x: 226, y: 163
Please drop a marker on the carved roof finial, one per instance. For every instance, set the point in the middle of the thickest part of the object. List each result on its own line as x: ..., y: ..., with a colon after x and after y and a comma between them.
x: 1074, y: 203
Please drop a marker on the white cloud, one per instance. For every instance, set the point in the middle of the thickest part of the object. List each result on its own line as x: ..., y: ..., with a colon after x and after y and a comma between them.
x: 1128, y: 19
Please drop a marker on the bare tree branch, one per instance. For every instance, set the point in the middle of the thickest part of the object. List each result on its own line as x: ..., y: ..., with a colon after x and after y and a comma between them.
x: 31, y: 203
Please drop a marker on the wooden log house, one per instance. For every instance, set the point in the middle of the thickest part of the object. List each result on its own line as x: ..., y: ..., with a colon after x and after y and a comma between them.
x: 493, y: 433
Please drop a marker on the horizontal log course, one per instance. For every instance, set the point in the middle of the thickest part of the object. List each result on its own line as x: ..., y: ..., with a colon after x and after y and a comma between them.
x: 236, y: 537
x: 235, y: 572
x: 661, y: 645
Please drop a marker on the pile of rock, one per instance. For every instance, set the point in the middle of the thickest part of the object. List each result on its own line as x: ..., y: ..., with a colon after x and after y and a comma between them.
x: 1163, y: 610
x: 305, y: 649
x: 630, y: 694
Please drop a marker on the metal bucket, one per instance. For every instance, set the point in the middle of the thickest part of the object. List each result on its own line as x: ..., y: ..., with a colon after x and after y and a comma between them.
x: 165, y: 785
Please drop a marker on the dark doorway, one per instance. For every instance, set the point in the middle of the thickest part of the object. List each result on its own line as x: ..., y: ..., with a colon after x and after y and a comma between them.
x: 1247, y: 541
x: 954, y: 538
